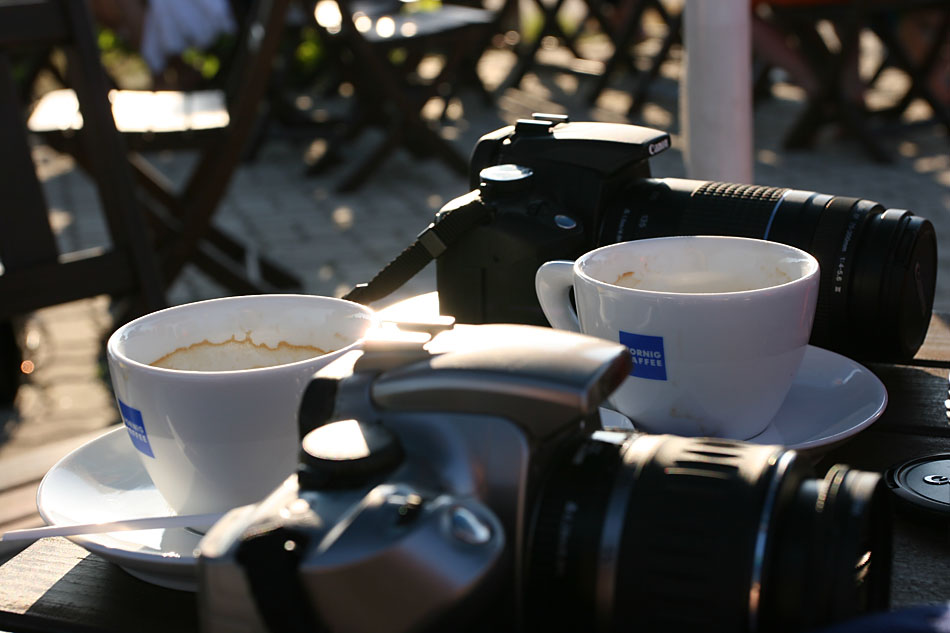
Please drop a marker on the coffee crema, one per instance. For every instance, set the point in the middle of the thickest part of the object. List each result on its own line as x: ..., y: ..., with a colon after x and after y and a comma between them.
x: 699, y: 281
x: 234, y: 354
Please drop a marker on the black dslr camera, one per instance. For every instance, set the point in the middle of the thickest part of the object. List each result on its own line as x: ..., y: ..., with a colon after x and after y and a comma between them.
x: 465, y: 483
x: 547, y: 189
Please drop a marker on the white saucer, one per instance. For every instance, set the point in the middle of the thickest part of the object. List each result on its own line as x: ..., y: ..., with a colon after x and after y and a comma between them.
x: 103, y: 480
x: 832, y: 398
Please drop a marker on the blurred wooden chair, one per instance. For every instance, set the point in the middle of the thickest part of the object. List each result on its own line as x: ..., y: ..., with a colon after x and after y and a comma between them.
x: 624, y: 39
x: 551, y: 26
x: 35, y: 274
x: 380, y: 46
x: 621, y: 21
x: 219, y: 124
x: 834, y: 65
x: 920, y: 65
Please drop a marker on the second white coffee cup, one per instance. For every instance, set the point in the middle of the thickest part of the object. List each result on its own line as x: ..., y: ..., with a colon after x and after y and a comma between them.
x: 220, y: 430
x: 716, y: 326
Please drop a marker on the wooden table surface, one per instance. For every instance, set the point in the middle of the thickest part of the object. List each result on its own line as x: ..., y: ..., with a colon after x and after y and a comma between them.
x: 54, y: 585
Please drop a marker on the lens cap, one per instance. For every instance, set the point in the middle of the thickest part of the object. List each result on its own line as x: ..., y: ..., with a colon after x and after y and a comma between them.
x: 923, y: 483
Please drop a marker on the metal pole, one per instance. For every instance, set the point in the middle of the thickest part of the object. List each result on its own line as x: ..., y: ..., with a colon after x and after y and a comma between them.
x: 716, y: 90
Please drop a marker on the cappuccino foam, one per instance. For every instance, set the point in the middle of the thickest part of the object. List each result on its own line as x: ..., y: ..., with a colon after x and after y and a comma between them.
x: 234, y: 354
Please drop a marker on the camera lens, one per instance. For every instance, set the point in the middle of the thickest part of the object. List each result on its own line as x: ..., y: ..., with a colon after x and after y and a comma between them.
x: 836, y: 559
x: 663, y: 533
x: 878, y: 266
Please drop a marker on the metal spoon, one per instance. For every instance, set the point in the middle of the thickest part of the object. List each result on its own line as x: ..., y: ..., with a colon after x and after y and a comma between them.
x: 195, y: 521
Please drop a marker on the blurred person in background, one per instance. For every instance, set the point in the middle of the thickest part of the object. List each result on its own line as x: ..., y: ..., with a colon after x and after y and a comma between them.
x: 161, y: 30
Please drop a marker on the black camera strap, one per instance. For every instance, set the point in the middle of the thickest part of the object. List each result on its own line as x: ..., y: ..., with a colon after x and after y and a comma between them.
x: 271, y: 562
x: 430, y: 244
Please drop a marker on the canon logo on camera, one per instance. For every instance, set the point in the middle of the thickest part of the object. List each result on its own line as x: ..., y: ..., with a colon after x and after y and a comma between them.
x: 659, y: 146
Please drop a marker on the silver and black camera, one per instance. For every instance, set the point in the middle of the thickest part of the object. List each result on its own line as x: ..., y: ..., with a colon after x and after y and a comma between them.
x: 462, y: 480
x: 547, y: 188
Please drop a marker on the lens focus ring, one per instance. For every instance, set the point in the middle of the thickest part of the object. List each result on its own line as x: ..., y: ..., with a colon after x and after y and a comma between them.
x: 691, y: 534
x: 731, y: 209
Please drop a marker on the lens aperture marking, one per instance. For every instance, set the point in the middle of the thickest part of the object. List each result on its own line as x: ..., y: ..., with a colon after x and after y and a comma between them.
x: 849, y: 232
x: 856, y: 215
x: 843, y: 258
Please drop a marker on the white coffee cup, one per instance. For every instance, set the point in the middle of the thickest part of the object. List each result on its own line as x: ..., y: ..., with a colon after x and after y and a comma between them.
x: 716, y: 326
x: 212, y: 440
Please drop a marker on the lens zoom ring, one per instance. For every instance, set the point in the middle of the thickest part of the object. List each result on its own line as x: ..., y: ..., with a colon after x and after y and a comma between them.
x: 688, y: 548
x: 720, y: 208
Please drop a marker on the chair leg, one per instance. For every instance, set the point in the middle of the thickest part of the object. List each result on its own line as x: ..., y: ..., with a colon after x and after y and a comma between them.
x: 256, y: 267
x: 10, y: 358
x: 761, y: 81
x: 621, y: 44
x: 918, y: 71
x: 358, y: 175
x: 838, y: 98
x: 438, y: 145
x: 120, y: 204
x: 244, y: 272
x: 802, y: 133
x: 526, y: 58
x: 410, y: 131
x: 250, y: 275
x: 853, y: 118
x: 644, y: 83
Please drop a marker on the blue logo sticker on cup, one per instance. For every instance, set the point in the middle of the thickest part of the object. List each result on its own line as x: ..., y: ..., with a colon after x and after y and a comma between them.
x: 136, y: 428
x: 647, y: 355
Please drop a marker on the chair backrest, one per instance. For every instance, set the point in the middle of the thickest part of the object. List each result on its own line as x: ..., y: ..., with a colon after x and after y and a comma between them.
x: 35, y: 274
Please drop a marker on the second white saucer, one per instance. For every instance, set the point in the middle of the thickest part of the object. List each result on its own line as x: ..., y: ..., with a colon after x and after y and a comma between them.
x: 832, y: 398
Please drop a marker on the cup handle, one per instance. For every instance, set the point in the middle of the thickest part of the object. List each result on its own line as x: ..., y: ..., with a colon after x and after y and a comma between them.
x: 553, y: 283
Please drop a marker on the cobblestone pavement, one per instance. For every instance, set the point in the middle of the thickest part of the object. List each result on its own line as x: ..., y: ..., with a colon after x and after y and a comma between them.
x: 334, y: 241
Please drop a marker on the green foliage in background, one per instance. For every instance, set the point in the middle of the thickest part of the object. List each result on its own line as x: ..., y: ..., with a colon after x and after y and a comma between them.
x: 308, y: 53
x: 125, y: 65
